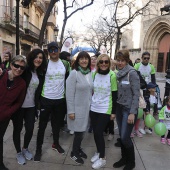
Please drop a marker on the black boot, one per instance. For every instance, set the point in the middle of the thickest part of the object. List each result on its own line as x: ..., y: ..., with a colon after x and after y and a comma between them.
x: 130, y: 154
x: 122, y: 161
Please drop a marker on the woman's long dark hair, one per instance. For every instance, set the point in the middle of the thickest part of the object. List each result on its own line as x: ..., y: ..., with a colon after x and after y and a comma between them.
x: 81, y: 55
x: 30, y: 60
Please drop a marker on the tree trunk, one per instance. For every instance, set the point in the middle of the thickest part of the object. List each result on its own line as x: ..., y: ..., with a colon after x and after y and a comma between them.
x: 44, y: 24
x: 62, y: 32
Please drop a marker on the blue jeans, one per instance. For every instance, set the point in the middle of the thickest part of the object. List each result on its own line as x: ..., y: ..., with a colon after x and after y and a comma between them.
x: 125, y: 128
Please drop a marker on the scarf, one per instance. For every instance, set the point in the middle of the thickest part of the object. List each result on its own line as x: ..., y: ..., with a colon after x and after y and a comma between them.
x: 83, y: 71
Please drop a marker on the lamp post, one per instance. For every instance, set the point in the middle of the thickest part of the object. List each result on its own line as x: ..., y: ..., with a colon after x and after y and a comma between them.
x: 56, y: 30
x: 17, y: 27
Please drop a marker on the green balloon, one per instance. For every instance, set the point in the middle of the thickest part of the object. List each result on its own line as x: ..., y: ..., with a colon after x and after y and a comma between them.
x: 140, y: 113
x: 160, y: 129
x: 149, y: 121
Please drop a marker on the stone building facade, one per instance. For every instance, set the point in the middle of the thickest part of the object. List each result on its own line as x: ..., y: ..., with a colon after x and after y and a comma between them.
x: 30, y: 22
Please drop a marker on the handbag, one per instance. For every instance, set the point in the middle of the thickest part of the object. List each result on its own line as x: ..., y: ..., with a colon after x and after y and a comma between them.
x: 142, y: 103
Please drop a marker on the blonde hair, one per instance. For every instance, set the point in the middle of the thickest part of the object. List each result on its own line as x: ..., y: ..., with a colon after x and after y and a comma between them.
x: 99, y: 58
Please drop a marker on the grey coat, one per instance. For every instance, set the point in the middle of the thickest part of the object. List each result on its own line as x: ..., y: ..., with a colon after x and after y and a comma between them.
x: 78, y: 97
x: 128, y: 88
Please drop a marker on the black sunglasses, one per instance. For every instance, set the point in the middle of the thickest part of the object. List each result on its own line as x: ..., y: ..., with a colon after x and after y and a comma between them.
x: 53, y: 50
x: 104, y: 61
x: 18, y: 66
x: 146, y: 58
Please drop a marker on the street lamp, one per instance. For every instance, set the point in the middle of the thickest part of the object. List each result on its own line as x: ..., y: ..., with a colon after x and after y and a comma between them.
x: 56, y: 30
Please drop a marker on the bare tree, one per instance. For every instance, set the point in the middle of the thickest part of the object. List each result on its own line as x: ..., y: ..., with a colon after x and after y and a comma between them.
x: 44, y: 24
x: 75, y: 6
x: 67, y: 6
x: 124, y: 13
x: 98, y: 34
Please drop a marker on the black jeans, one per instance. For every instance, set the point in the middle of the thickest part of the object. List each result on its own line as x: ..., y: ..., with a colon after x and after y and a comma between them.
x: 57, y: 110
x: 28, y: 116
x: 99, y: 122
x: 3, y: 127
x: 78, y: 137
x: 110, y: 127
x: 125, y: 128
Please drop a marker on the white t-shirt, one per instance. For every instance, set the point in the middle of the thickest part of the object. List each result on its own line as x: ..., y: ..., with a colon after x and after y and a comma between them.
x: 167, y: 118
x: 53, y: 87
x: 102, y: 97
x: 29, y: 98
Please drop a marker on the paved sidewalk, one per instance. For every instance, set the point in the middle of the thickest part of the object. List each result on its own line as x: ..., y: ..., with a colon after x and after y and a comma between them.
x: 150, y: 153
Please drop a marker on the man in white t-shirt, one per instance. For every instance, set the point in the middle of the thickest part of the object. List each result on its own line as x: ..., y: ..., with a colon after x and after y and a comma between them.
x: 52, y: 100
x: 147, y: 71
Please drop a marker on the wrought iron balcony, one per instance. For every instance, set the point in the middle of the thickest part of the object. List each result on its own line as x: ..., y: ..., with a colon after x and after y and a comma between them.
x: 31, y: 31
x: 8, y: 18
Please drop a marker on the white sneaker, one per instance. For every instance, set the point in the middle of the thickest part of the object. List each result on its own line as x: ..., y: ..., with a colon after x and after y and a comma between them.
x: 99, y: 163
x: 71, y: 132
x: 142, y: 131
x: 27, y: 154
x: 95, y: 157
x: 20, y: 158
x: 148, y: 131
x: 110, y: 137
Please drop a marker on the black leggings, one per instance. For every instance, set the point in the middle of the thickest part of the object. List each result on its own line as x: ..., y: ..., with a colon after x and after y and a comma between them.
x: 78, y: 137
x: 99, y: 122
x: 3, y: 127
x: 28, y: 116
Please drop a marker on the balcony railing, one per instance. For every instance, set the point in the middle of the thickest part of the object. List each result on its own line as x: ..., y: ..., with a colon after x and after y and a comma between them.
x: 40, y: 4
x: 31, y: 29
x: 7, y: 16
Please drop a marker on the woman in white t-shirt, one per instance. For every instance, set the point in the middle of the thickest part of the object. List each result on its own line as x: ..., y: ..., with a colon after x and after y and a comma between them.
x: 103, y: 106
x: 34, y: 77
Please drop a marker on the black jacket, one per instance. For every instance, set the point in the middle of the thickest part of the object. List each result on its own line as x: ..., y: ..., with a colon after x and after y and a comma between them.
x: 27, y: 75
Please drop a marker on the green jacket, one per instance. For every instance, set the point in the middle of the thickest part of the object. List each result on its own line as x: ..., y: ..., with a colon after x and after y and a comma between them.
x: 161, y: 113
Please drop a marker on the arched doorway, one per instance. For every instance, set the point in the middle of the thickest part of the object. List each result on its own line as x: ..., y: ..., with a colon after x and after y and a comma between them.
x: 154, y: 41
x: 164, y: 53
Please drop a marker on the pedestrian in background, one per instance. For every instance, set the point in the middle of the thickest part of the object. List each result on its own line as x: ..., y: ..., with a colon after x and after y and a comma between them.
x: 127, y: 107
x: 12, y: 93
x: 79, y: 87
x: 103, y: 106
x: 6, y: 61
x: 34, y: 77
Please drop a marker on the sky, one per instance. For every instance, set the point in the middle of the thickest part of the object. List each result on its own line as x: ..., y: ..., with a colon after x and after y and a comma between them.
x: 78, y: 20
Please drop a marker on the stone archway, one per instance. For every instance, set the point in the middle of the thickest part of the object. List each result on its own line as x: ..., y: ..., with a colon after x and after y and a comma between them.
x: 154, y: 35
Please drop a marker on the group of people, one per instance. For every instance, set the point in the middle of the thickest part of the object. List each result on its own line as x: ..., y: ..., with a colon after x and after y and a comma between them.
x: 87, y: 91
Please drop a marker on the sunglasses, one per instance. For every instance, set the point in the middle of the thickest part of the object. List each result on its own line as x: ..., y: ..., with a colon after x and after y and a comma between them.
x: 18, y: 66
x: 53, y: 50
x: 104, y: 61
x: 146, y: 58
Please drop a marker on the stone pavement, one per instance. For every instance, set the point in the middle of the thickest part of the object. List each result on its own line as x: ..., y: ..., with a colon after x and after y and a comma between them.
x: 150, y: 153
